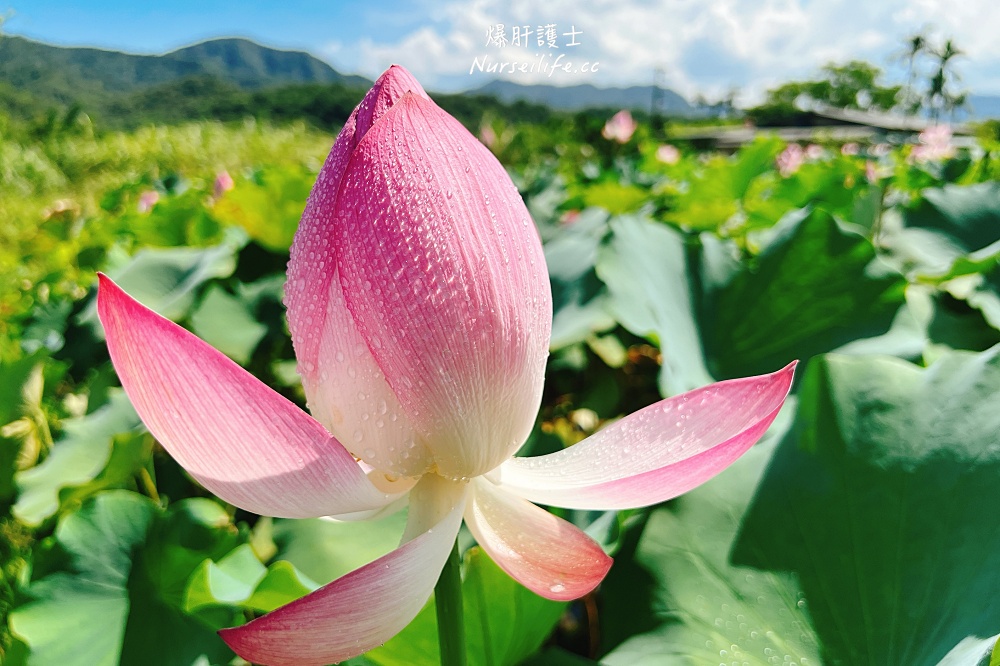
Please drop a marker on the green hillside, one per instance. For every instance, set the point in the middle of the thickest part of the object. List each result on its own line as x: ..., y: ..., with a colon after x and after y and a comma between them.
x: 63, y: 74
x: 45, y: 88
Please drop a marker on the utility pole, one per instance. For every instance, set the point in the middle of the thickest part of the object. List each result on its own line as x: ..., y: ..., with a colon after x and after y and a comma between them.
x: 656, y: 99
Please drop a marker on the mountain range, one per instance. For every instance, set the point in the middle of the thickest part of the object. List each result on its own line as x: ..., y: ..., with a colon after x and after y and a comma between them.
x: 579, y: 97
x: 75, y: 74
x: 89, y: 76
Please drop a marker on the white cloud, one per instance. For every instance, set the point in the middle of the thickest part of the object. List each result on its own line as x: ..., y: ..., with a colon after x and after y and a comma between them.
x: 703, y: 46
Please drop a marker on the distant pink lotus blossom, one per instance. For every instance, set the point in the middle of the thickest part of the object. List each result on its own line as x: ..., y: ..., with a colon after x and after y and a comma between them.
x: 569, y: 218
x: 880, y: 150
x: 790, y: 159
x: 668, y: 154
x: 849, y: 149
x: 935, y: 144
x: 620, y: 127
x: 420, y: 311
x: 871, y: 172
x: 814, y: 151
x: 488, y: 135
x: 223, y: 183
x: 147, y: 200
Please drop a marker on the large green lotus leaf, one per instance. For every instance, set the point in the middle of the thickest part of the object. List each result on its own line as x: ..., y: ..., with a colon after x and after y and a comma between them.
x: 96, y: 451
x: 167, y: 279
x: 107, y: 591
x: 78, y: 615
x: 675, y: 597
x: 877, y: 503
x: 645, y: 269
x: 866, y: 541
x: 325, y: 549
x: 227, y: 323
x: 969, y: 214
x: 814, y: 286
x: 579, y: 300
x: 504, y: 621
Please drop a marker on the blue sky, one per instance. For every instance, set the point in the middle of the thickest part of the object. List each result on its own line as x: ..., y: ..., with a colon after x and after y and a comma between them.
x: 700, y: 46
x: 155, y: 27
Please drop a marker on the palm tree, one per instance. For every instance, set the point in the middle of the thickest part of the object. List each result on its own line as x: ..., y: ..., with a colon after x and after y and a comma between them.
x: 916, y: 45
x: 939, y: 94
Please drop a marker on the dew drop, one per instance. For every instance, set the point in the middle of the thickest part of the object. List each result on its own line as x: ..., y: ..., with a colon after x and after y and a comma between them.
x: 557, y: 588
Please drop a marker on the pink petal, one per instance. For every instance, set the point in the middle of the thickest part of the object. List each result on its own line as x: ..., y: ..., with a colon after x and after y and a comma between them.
x: 312, y: 263
x: 237, y: 437
x: 356, y: 612
x: 350, y: 396
x: 345, y: 388
x: 541, y: 551
x: 443, y: 272
x: 656, y: 453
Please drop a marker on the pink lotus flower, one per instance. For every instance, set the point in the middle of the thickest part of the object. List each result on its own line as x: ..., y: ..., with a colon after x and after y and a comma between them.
x: 620, y: 127
x: 935, y: 144
x: 223, y: 183
x: 488, y: 135
x: 849, y: 149
x: 420, y: 311
x: 147, y: 200
x: 871, y: 172
x: 668, y: 154
x: 814, y: 151
x: 790, y: 159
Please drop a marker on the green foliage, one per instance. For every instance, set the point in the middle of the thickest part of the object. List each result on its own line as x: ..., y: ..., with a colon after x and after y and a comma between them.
x: 108, y: 592
x: 96, y: 451
x: 852, y: 85
x: 813, y: 287
x: 645, y: 269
